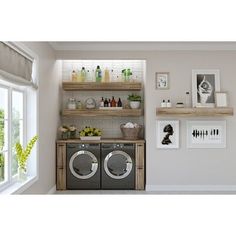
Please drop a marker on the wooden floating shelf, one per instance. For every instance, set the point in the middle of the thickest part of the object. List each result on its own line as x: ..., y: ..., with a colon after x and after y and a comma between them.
x: 218, y: 111
x: 93, y: 86
x: 96, y: 112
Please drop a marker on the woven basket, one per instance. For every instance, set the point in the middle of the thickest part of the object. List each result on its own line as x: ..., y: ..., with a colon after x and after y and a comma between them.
x: 130, y: 133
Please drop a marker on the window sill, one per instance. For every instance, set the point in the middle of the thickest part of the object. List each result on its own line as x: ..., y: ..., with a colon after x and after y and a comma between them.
x: 19, y: 187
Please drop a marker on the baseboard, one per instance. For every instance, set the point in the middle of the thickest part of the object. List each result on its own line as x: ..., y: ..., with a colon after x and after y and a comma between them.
x: 52, y: 190
x: 191, y: 188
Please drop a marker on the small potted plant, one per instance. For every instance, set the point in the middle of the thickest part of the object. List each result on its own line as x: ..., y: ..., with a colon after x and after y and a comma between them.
x: 72, y: 130
x: 134, y: 101
x: 64, y: 132
x: 90, y: 133
x: 22, y: 157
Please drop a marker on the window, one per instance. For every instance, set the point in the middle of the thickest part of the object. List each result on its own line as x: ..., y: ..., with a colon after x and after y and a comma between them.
x: 12, y: 130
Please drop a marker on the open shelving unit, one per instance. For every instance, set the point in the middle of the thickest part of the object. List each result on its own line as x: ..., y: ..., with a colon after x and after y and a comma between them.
x: 97, y: 112
x: 93, y: 86
x: 214, y: 111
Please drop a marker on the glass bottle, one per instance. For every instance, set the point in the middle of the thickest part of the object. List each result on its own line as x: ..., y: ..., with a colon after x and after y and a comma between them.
x: 106, y: 103
x: 113, y: 102
x: 83, y: 74
x: 73, y: 76
x: 119, y: 103
x: 102, y: 102
x: 98, y: 74
x: 106, y: 76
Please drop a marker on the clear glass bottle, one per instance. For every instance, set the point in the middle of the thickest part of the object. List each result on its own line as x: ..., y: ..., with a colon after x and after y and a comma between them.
x: 73, y: 76
x: 98, y: 74
x: 83, y: 74
x: 106, y: 76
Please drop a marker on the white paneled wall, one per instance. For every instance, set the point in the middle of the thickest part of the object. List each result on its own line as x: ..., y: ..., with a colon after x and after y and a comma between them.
x: 110, y: 126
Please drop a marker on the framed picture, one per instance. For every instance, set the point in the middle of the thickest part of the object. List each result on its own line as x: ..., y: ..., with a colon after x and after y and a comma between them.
x: 206, y: 134
x: 162, y: 80
x: 221, y: 99
x: 167, y: 132
x: 204, y: 85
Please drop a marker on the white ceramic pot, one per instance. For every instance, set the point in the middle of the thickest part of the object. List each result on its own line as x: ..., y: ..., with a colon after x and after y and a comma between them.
x: 134, y: 104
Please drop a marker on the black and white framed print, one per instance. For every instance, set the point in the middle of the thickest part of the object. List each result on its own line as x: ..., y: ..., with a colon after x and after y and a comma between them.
x: 167, y: 132
x: 206, y: 134
x: 204, y: 85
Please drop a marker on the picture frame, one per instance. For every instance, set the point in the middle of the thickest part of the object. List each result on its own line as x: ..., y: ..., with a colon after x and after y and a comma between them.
x: 206, y: 134
x: 204, y: 85
x: 162, y: 80
x: 167, y: 133
x: 221, y: 99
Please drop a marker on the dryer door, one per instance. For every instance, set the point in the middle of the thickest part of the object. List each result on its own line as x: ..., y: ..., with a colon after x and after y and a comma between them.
x: 83, y: 164
x: 118, y: 164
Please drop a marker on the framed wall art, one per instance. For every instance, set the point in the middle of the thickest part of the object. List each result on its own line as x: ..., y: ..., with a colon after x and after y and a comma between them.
x: 206, y: 134
x: 162, y: 80
x: 204, y: 85
x: 221, y: 99
x: 167, y: 132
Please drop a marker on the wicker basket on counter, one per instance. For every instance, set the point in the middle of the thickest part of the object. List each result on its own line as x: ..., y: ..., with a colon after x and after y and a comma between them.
x: 131, y: 133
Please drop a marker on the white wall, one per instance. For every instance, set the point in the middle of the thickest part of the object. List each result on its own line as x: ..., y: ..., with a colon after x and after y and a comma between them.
x: 49, y: 100
x: 182, y: 169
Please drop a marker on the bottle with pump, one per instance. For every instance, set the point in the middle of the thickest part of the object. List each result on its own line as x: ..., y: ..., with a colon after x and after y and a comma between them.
x: 98, y: 74
x: 163, y: 104
x: 187, y: 99
x: 168, y: 104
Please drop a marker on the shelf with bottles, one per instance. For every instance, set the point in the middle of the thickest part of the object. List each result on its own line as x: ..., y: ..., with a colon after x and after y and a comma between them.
x: 103, y: 86
x: 102, y: 112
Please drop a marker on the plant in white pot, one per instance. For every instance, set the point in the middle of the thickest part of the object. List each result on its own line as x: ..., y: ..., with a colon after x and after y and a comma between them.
x: 134, y: 101
x: 22, y: 157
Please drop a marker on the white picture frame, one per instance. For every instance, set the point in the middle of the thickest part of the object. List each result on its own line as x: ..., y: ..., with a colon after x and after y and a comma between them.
x: 221, y: 99
x: 204, y: 85
x: 206, y: 134
x: 162, y: 80
x: 167, y: 133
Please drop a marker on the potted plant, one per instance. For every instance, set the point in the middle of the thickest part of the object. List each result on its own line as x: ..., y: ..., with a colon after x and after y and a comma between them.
x: 89, y: 133
x: 22, y: 157
x: 134, y: 101
x: 1, y: 167
x: 64, y: 132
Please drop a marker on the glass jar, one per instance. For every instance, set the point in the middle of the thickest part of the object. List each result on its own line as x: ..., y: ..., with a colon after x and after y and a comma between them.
x: 71, y: 103
x: 79, y: 105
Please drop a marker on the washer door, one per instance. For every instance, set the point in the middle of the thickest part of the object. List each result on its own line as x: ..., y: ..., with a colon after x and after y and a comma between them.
x: 118, y: 164
x: 83, y: 164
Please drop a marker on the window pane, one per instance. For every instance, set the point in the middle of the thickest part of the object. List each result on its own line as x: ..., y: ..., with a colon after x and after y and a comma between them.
x: 17, y: 126
x: 17, y: 136
x: 3, y: 157
x: 17, y: 105
x: 3, y: 103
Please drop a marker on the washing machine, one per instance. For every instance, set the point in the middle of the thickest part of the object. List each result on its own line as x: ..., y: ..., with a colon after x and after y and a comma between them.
x: 83, y: 166
x: 118, y: 166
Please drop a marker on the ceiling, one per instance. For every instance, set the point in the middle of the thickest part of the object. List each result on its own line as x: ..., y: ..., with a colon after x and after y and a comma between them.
x: 141, y: 46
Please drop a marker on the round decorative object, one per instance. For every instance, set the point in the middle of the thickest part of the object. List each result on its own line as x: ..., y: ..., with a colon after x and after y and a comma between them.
x: 90, y: 103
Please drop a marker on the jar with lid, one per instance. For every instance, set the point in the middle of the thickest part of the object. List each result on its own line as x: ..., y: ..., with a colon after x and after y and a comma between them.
x: 71, y: 103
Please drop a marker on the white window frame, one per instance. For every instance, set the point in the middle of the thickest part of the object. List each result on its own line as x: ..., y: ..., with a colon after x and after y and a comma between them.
x: 16, y: 187
x: 10, y: 89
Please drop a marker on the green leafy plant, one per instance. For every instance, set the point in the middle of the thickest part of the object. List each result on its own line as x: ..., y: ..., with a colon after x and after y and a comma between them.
x: 134, y: 97
x: 89, y: 131
x: 22, y: 155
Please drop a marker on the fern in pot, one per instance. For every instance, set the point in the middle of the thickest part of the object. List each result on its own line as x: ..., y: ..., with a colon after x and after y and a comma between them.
x: 134, y: 101
x: 22, y: 156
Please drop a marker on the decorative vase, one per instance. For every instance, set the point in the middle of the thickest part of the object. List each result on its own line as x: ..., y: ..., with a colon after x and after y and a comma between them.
x: 73, y: 134
x: 64, y: 135
x: 21, y: 174
x: 134, y: 104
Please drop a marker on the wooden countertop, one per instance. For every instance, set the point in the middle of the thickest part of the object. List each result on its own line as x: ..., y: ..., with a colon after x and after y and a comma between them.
x: 105, y: 140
